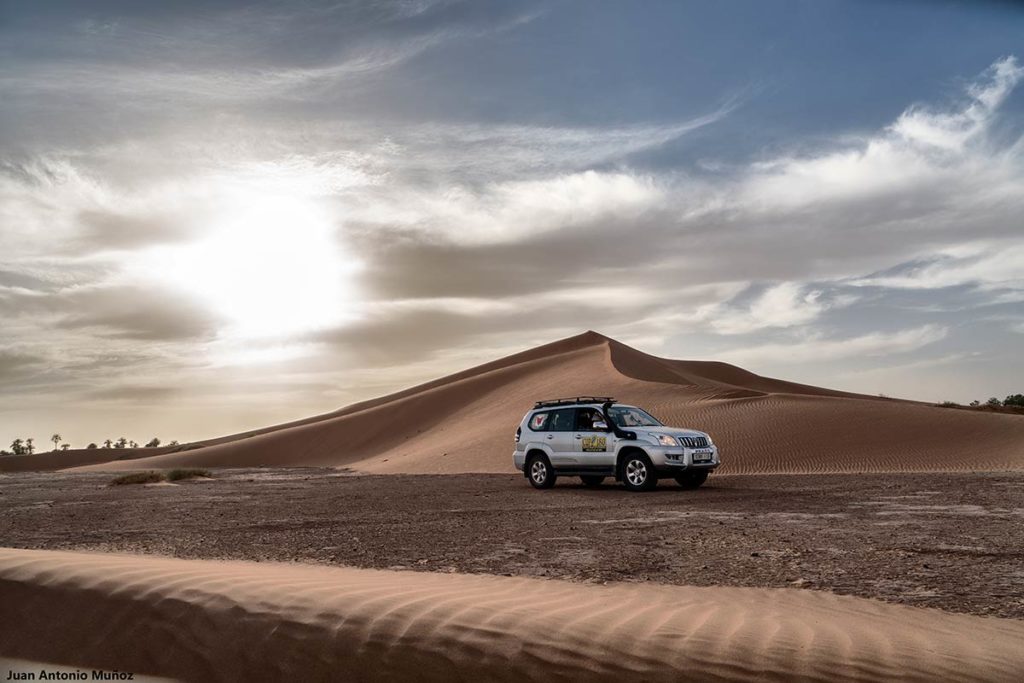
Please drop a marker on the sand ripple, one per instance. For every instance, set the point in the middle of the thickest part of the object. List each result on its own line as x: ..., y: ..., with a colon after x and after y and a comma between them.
x: 206, y: 620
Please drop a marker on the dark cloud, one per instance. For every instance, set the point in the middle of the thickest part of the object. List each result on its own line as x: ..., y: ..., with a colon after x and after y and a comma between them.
x: 23, y: 281
x: 657, y: 249
x: 14, y: 365
x: 136, y: 313
x: 115, y: 311
x: 134, y: 392
x: 406, y: 265
x: 101, y: 230
x: 398, y: 336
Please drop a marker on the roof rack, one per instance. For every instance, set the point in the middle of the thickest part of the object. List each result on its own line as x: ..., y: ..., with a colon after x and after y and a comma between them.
x: 573, y: 400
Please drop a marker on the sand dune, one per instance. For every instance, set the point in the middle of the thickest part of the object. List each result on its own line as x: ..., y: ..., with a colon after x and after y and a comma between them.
x: 76, y: 457
x: 204, y: 620
x: 465, y: 422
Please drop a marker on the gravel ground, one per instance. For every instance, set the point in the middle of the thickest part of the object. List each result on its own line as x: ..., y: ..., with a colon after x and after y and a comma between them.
x: 952, y: 541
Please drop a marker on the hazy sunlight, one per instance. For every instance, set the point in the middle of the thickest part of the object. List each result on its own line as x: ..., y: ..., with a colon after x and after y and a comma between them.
x: 271, y: 267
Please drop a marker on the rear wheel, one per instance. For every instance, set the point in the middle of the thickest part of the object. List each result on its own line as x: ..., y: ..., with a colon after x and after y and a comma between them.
x: 638, y: 473
x: 692, y: 480
x: 592, y: 480
x: 540, y: 472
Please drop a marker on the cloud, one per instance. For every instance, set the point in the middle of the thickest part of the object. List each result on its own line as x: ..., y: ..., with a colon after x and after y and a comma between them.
x: 991, y: 266
x: 830, y: 216
x: 113, y: 310
x: 15, y: 365
x: 244, y: 55
x: 511, y: 212
x: 817, y: 349
x: 134, y: 393
x: 101, y: 230
x: 473, y: 151
x: 787, y: 304
x: 922, y: 147
x: 952, y: 131
x: 924, y: 363
x: 128, y: 312
x: 413, y: 330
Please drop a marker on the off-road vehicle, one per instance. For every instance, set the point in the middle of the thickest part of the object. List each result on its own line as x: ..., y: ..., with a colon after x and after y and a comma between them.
x: 593, y: 438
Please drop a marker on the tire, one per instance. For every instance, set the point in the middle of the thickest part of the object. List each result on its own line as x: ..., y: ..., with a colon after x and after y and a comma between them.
x: 638, y: 473
x: 540, y: 472
x: 592, y: 480
x: 692, y: 480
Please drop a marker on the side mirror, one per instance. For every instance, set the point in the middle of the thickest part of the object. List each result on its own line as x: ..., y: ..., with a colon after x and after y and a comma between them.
x: 601, y: 426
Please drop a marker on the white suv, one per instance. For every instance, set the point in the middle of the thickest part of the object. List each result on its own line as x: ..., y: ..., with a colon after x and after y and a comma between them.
x: 593, y: 437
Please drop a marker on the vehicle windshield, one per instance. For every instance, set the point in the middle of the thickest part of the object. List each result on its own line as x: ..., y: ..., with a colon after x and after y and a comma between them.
x: 626, y: 416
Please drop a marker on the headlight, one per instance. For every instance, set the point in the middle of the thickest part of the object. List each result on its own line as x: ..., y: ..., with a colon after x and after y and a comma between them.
x: 665, y: 439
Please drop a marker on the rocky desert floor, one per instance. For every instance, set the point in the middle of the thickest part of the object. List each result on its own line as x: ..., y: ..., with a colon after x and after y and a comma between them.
x: 951, y: 541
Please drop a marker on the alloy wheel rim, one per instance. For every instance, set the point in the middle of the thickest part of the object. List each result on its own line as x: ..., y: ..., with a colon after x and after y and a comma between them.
x: 538, y: 472
x: 636, y: 472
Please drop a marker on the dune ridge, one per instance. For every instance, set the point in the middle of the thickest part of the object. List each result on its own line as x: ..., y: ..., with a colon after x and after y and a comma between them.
x: 465, y: 422
x: 208, y: 620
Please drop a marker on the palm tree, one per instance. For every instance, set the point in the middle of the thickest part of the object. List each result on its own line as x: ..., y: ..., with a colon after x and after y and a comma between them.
x: 121, y: 443
x: 18, y: 447
x: 108, y: 444
x: 30, y: 445
x: 56, y: 439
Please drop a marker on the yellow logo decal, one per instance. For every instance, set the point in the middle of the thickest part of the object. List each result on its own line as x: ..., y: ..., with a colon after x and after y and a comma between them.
x: 595, y: 443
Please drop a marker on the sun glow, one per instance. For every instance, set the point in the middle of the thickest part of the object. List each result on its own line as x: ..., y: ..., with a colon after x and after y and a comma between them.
x: 271, y: 266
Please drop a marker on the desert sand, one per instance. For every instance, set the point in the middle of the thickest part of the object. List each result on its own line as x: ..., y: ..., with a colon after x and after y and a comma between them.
x: 206, y: 620
x: 906, y: 538
x: 234, y: 619
x: 465, y: 422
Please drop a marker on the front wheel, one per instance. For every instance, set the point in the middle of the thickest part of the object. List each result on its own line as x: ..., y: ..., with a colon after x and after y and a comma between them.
x: 540, y: 472
x: 638, y: 473
x: 692, y: 480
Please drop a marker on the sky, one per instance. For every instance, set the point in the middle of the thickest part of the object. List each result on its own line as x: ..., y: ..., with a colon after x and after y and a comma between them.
x: 216, y: 216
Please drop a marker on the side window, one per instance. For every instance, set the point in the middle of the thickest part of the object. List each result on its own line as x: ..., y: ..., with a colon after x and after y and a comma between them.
x: 585, y: 418
x: 562, y: 420
x: 539, y: 422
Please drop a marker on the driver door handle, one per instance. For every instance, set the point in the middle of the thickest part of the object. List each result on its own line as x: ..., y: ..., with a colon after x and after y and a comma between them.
x: 579, y: 436
x: 551, y: 436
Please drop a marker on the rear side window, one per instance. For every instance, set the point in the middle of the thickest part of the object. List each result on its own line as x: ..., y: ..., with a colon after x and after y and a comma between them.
x: 562, y: 420
x: 553, y: 420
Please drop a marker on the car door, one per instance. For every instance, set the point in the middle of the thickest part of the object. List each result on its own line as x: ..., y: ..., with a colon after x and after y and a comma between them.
x: 559, y: 437
x: 592, y: 447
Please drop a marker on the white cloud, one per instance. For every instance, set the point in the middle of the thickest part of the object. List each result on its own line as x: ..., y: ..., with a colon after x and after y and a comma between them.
x: 922, y: 147
x: 787, y: 304
x: 819, y: 349
x: 989, y: 265
x: 154, y: 81
x: 514, y: 150
x: 510, y: 211
x: 952, y: 131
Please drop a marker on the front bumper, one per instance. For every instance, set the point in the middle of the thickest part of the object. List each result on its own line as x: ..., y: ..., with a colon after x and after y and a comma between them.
x: 672, y: 460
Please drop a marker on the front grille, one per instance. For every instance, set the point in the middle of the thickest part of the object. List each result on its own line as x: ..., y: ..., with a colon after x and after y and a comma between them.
x: 694, y: 441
